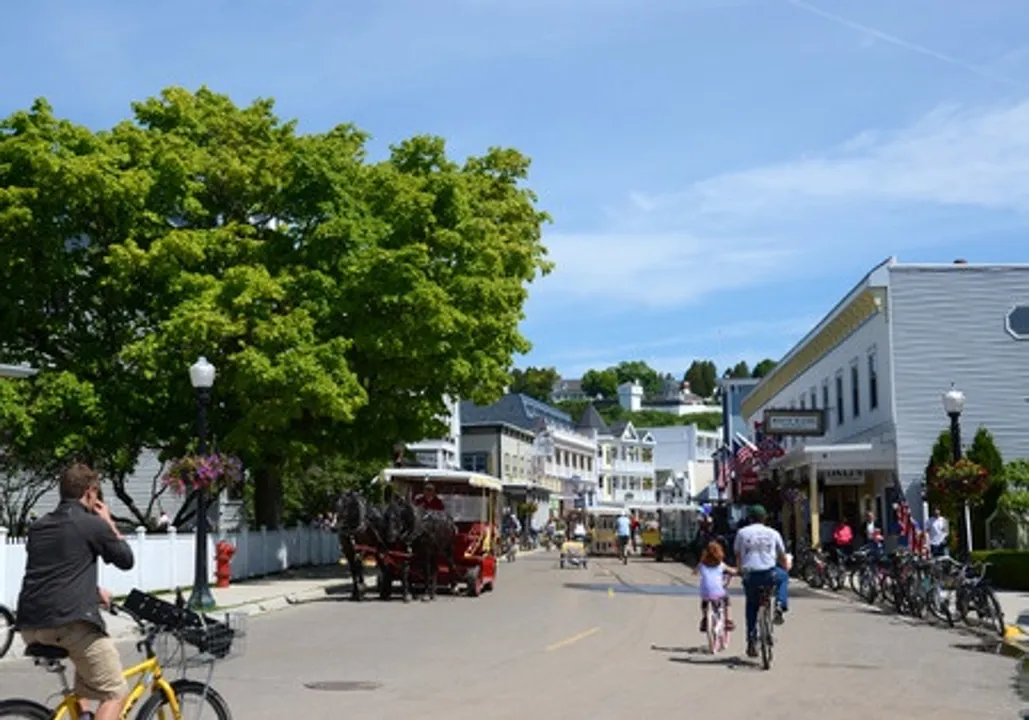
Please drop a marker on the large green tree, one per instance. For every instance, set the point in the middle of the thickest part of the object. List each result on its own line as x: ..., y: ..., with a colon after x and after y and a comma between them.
x: 702, y: 375
x: 537, y: 382
x: 648, y: 377
x: 1015, y: 498
x: 763, y: 368
x: 340, y: 300
x: 44, y: 422
x: 603, y: 383
x: 739, y: 370
x: 68, y: 197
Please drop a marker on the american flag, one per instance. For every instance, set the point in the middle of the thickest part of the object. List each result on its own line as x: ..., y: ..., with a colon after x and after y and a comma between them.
x: 723, y: 467
x: 769, y: 449
x: 743, y: 452
x: 907, y: 525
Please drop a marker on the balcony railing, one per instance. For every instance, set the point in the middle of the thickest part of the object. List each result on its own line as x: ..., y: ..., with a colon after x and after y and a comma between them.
x: 636, y: 467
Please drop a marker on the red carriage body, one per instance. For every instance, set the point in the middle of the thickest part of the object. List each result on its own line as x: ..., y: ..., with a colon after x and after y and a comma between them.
x: 472, y: 500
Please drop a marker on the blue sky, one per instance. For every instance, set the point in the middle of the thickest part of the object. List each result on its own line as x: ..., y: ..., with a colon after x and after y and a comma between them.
x: 720, y: 172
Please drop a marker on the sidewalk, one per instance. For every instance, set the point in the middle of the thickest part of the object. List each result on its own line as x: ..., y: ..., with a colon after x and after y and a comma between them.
x: 252, y: 597
x: 1015, y: 605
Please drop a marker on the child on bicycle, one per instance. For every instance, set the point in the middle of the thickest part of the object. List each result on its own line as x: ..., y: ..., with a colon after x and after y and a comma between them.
x: 713, y: 577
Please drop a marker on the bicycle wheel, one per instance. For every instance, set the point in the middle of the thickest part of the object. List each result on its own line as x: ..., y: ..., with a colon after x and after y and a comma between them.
x: 712, y: 632
x: 6, y: 630
x: 765, y: 634
x: 990, y: 612
x: 24, y: 710
x: 868, y: 586
x: 213, y: 704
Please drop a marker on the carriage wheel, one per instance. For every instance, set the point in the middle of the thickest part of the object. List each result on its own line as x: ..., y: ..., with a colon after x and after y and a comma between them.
x: 475, y: 582
x: 385, y: 583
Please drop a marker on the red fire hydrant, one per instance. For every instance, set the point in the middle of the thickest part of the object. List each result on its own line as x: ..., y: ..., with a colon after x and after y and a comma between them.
x: 223, y: 553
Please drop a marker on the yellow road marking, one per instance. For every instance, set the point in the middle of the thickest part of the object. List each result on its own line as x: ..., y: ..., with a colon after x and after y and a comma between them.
x: 573, y: 639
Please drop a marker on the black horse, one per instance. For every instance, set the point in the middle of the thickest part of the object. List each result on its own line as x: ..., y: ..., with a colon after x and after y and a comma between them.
x: 359, y: 523
x: 427, y: 536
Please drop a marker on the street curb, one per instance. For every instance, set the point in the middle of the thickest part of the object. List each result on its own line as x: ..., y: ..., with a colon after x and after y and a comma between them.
x: 1014, y: 636
x: 128, y: 631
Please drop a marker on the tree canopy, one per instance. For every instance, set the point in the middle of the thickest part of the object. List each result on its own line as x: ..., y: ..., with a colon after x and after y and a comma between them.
x: 763, y: 368
x: 1015, y: 498
x: 702, y: 375
x: 537, y: 382
x: 600, y: 383
x: 340, y: 299
x: 739, y: 370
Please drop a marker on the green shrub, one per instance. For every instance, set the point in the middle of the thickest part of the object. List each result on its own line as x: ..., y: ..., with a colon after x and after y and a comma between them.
x: 1009, y: 569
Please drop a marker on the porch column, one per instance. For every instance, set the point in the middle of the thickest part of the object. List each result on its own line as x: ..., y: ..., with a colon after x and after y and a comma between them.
x: 813, y: 515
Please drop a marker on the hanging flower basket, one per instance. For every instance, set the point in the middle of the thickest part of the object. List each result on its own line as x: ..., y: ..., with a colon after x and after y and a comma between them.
x: 526, y: 509
x: 212, y: 473
x: 963, y: 481
x: 791, y: 495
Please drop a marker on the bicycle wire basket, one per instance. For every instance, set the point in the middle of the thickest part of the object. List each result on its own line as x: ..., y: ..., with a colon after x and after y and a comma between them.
x: 202, y: 638
x: 214, y: 638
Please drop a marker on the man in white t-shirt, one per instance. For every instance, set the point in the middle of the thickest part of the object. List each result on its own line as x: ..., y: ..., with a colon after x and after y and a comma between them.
x: 937, y: 530
x: 761, y: 559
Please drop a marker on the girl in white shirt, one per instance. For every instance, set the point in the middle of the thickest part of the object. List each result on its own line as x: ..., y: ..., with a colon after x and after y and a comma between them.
x: 713, y: 571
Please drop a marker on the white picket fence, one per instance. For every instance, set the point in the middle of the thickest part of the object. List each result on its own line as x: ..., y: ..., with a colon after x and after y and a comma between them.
x: 166, y: 561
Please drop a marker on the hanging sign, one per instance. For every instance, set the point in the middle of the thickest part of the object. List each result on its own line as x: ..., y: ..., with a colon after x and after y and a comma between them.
x: 834, y: 478
x: 794, y: 422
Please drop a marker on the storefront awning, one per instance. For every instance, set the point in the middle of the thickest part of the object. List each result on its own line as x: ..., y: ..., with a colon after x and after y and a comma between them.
x: 843, y: 456
x: 527, y: 487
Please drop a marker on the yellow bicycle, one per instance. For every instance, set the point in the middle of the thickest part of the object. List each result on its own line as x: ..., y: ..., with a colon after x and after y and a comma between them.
x: 212, y: 638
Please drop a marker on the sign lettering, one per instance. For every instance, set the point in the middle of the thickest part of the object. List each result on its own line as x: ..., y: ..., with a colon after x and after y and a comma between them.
x: 794, y: 422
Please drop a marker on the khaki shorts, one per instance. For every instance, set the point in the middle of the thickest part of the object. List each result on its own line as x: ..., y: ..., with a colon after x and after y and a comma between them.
x: 97, y: 664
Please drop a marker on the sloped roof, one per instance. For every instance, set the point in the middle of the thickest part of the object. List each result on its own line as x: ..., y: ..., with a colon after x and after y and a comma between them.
x: 514, y: 409
x: 591, y: 419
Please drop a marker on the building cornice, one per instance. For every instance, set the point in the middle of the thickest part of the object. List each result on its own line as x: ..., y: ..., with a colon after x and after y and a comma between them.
x: 841, y: 325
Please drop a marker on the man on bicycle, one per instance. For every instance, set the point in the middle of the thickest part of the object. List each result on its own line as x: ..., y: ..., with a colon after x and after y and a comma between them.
x: 60, y: 598
x: 623, y: 529
x: 761, y: 559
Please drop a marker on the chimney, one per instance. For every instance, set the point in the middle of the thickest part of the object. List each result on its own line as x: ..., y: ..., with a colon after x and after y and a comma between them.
x: 960, y: 261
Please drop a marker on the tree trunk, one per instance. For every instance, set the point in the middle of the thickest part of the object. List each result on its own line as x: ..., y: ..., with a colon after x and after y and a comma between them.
x: 119, y: 483
x: 268, y: 500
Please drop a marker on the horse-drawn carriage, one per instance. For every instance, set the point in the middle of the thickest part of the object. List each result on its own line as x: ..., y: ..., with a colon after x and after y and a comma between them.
x: 423, y: 549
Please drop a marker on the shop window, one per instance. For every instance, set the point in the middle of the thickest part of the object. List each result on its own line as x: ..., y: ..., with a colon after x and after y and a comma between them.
x: 840, y: 417
x: 855, y: 389
x: 873, y: 380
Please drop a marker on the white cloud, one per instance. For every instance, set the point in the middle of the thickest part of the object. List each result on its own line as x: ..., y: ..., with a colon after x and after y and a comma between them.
x: 738, y: 229
x: 657, y: 270
x: 719, y: 343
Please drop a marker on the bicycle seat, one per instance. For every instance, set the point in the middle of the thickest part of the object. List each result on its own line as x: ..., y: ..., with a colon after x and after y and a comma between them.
x: 46, y: 652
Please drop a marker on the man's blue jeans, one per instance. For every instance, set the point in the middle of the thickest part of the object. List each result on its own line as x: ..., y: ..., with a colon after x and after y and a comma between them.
x: 752, y: 584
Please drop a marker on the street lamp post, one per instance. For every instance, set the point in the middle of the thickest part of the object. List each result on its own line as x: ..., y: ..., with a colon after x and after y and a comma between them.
x: 201, y: 376
x: 953, y: 405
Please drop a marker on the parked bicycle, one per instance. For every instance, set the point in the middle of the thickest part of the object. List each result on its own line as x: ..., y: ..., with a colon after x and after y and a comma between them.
x: 201, y: 641
x: 974, y: 594
x: 6, y: 629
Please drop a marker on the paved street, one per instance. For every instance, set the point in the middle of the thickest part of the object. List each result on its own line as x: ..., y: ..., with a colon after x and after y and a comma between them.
x: 605, y: 642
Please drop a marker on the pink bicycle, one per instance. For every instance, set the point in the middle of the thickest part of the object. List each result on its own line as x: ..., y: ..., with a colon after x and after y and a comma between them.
x: 717, y: 625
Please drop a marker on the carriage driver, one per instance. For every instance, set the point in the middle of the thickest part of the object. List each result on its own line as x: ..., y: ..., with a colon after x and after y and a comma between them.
x: 429, y: 500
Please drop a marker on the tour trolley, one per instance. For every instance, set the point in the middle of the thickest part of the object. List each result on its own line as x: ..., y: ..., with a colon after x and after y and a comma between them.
x: 472, y: 500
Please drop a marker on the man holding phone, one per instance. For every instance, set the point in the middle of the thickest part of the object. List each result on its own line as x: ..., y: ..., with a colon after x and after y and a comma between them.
x: 60, y: 599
